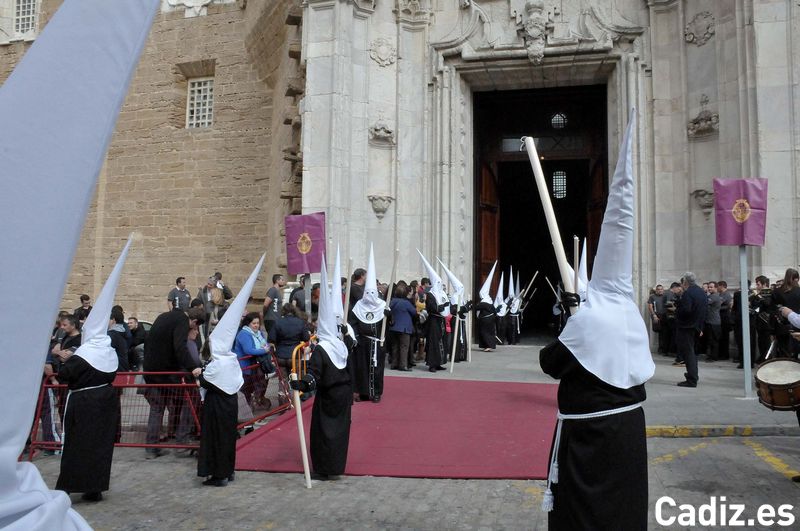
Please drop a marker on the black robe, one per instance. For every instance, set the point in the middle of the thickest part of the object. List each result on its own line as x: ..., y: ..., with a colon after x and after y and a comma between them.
x: 485, y: 317
x: 461, y: 338
x: 436, y: 338
x: 512, y: 330
x: 368, y: 377
x: 217, y: 456
x: 501, y: 327
x: 602, y: 462
x: 330, y: 416
x: 90, y: 427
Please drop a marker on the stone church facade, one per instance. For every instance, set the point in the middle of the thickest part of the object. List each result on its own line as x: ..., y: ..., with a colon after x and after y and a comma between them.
x: 369, y: 110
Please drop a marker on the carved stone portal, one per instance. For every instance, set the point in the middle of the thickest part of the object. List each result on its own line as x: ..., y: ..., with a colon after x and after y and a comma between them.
x: 706, y: 123
x: 382, y: 52
x: 535, y: 26
x: 380, y: 203
x: 700, y: 29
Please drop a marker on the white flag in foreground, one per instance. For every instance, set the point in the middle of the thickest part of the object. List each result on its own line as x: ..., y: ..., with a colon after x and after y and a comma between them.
x: 58, y: 109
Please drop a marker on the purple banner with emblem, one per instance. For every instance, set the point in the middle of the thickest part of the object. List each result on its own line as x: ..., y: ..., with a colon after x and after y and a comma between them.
x: 305, y: 243
x: 740, y: 211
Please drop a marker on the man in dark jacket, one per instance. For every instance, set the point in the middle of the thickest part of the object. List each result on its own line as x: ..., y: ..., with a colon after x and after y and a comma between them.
x: 165, y: 350
x: 691, y: 316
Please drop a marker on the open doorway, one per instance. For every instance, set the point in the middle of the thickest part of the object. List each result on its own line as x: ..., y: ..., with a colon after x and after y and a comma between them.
x: 569, y: 125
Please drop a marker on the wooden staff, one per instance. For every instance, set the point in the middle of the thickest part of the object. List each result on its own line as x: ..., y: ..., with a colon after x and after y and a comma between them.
x: 528, y: 287
x: 299, y: 415
x: 550, y: 216
x: 455, y: 342
x: 389, y: 291
x: 552, y: 288
x: 522, y: 310
x: 347, y: 291
x: 469, y: 337
x: 576, y: 260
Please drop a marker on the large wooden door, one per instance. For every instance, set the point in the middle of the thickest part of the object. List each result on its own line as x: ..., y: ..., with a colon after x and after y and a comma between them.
x: 488, y: 226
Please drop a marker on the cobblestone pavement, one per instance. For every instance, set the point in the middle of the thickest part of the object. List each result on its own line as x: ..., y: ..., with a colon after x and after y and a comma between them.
x: 165, y: 494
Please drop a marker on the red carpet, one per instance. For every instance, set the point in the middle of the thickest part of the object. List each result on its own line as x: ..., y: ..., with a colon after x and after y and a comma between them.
x: 428, y: 428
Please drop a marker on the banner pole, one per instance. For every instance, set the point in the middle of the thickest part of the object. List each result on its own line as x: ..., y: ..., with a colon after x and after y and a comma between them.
x: 745, y: 314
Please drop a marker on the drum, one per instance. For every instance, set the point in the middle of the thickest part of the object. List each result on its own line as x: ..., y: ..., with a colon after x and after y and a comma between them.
x: 778, y: 384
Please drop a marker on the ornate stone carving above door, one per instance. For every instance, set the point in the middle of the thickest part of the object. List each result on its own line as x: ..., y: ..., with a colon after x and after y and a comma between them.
x: 700, y: 29
x: 193, y: 8
x: 382, y: 51
x: 380, y: 203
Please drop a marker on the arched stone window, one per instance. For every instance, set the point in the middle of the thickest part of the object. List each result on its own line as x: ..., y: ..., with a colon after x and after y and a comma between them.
x: 558, y: 120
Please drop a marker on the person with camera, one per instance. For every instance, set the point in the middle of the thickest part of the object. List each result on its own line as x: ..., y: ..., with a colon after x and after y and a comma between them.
x: 726, y: 301
x: 713, y: 324
x: 670, y: 312
x: 655, y: 306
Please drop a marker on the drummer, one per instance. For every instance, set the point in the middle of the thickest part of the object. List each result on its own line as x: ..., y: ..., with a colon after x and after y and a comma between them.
x: 794, y: 319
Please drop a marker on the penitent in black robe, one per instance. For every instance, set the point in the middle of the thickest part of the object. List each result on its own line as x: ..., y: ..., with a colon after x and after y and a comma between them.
x: 485, y: 314
x: 330, y: 416
x: 217, y: 456
x: 602, y: 462
x: 90, y: 427
x: 461, y: 338
x: 435, y: 339
x: 512, y: 331
x: 369, y: 359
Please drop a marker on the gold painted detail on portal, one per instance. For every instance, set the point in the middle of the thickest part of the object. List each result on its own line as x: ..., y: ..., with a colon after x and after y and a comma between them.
x: 304, y: 243
x: 741, y: 211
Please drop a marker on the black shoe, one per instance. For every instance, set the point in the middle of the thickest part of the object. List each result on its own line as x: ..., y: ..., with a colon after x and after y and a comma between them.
x: 431, y: 369
x: 232, y: 477
x: 152, y: 453
x: 320, y: 477
x: 686, y: 383
x: 440, y: 368
x: 796, y: 479
x: 376, y: 399
x: 412, y: 364
x: 407, y: 369
x: 215, y: 482
x: 92, y: 496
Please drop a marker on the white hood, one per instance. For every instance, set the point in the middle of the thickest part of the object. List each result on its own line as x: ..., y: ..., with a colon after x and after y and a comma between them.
x: 327, y: 329
x: 622, y: 358
x: 370, y: 308
x: 499, y: 299
x: 437, y: 285
x: 457, y: 287
x: 516, y: 300
x: 63, y: 99
x: 96, y: 346
x: 224, y: 370
x: 487, y: 285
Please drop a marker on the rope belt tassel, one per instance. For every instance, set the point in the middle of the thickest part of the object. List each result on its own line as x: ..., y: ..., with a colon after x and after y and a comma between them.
x: 548, y: 499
